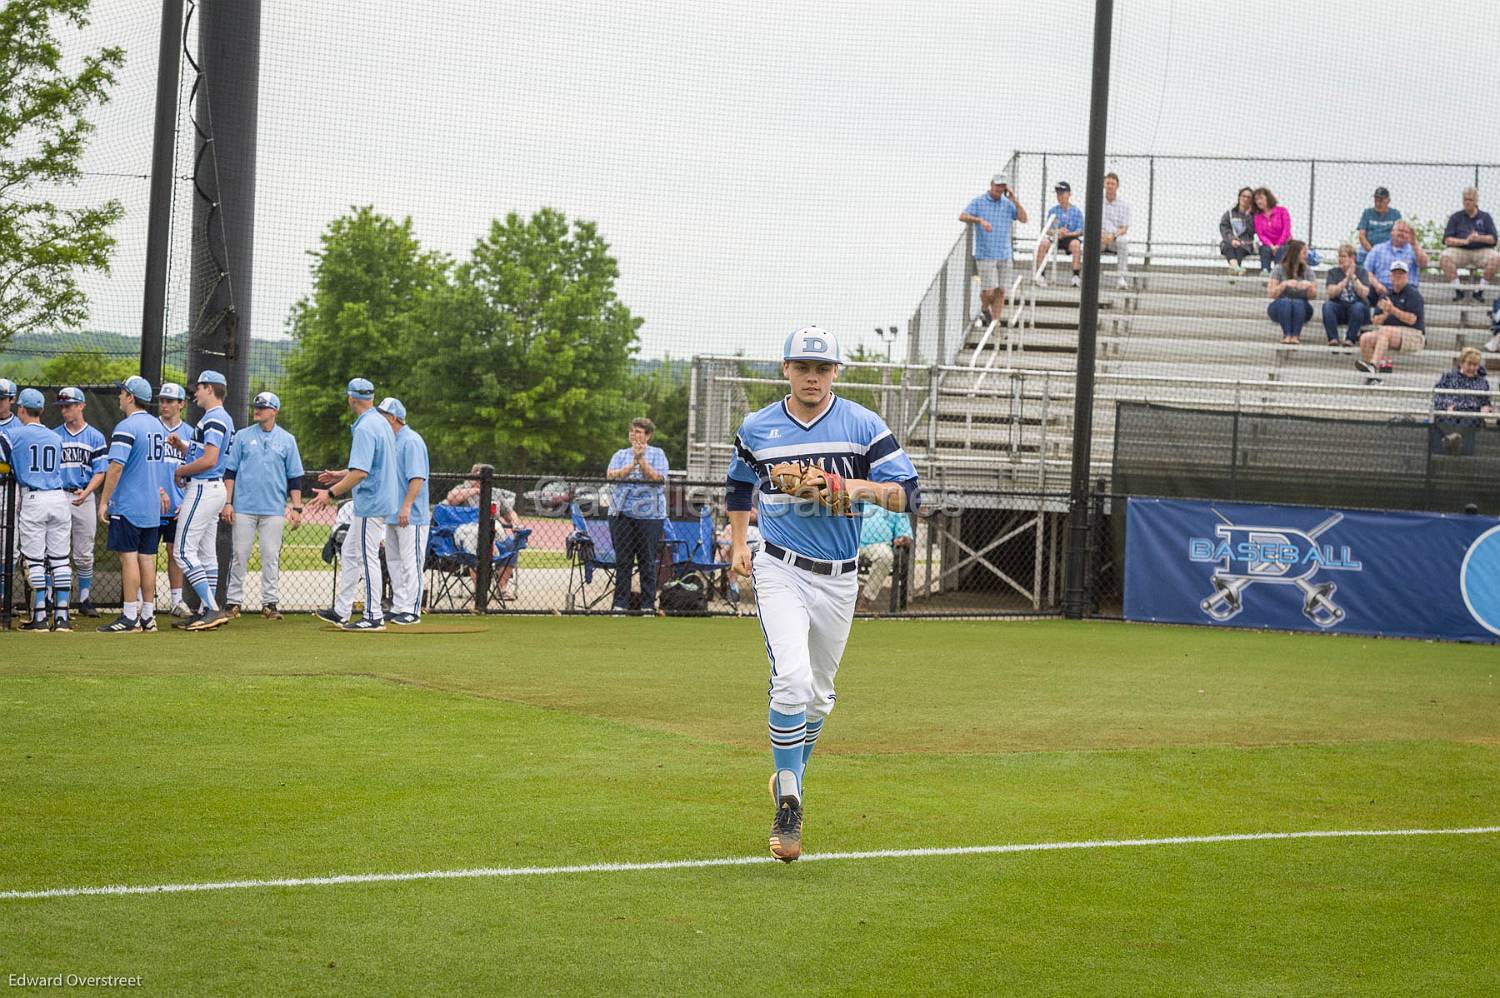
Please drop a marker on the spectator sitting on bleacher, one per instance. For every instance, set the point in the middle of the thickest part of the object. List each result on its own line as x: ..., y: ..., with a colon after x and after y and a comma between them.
x: 1349, y: 298
x: 1375, y: 224
x: 1114, y: 225
x: 1402, y: 246
x: 1400, y: 326
x: 1291, y: 289
x: 1273, y: 227
x: 1469, y: 241
x: 1068, y: 218
x: 879, y: 535
x: 1237, y: 231
x: 1467, y: 376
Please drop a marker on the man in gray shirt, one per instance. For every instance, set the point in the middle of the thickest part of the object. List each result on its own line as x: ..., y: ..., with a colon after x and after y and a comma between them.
x: 1115, y: 223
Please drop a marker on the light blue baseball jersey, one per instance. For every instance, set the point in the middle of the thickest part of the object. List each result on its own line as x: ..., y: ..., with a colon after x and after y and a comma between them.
x: 36, y: 455
x: 847, y: 439
x: 265, y: 467
x: 138, y: 444
x: 171, y: 461
x: 411, y: 462
x: 84, y: 455
x: 215, y: 429
x: 1069, y: 219
x: 374, y: 452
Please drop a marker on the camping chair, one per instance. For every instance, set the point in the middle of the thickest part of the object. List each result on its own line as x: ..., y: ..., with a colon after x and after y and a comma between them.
x: 452, y: 565
x: 692, y: 546
x: 590, y: 549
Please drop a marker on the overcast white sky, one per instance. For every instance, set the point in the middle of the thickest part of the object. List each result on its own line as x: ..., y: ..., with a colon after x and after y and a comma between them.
x: 757, y: 166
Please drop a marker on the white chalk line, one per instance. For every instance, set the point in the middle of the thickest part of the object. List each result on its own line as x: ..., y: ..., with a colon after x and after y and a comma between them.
x: 486, y: 872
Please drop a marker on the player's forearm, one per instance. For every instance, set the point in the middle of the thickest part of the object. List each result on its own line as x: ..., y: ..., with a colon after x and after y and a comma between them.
x: 208, y: 460
x: 413, y: 489
x: 111, y: 479
x: 228, y: 491
x: 296, y: 495
x: 739, y: 527
x: 348, y: 483
x: 889, y: 495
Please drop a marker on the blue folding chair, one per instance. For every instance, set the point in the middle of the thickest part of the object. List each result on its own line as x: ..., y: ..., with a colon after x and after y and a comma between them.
x: 590, y: 549
x: 453, y: 568
x: 692, y: 544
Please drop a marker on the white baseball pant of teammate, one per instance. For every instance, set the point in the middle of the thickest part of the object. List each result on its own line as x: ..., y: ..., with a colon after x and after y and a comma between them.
x: 247, y: 527
x: 359, y: 560
x: 805, y: 619
x: 404, y: 551
x: 198, y: 532
x: 42, y: 531
x: 85, y: 521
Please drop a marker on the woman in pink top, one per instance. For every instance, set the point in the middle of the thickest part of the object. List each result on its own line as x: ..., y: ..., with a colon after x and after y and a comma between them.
x: 1273, y: 227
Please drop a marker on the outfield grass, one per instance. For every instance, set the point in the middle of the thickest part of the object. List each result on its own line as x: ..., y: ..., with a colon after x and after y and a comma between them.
x: 283, y: 750
x: 300, y: 552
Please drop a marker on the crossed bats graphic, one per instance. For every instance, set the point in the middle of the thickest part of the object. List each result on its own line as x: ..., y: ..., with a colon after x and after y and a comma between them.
x: 1318, y: 606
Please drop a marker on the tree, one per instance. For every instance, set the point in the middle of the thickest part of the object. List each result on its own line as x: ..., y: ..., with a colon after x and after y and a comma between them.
x: 529, y: 355
x: 372, y: 282
x: 42, y: 137
x: 663, y: 391
x: 84, y: 366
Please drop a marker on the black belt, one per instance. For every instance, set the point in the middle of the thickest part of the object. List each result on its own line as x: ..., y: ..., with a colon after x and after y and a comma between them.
x: 809, y: 565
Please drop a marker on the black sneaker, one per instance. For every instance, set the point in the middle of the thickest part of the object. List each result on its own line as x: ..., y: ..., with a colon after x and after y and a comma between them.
x: 209, y: 621
x: 986, y: 317
x: 62, y: 624
x: 36, y: 625
x: 86, y: 608
x: 1458, y: 294
x: 1477, y: 294
x: 120, y: 625
x: 329, y: 617
x: 786, y: 827
x: 270, y: 612
x: 148, y: 624
x: 1365, y: 366
x: 365, y: 624
x: 404, y: 618
x: 186, y: 623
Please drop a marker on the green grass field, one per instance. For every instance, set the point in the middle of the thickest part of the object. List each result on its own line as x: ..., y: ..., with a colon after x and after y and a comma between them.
x: 274, y: 751
x: 302, y: 551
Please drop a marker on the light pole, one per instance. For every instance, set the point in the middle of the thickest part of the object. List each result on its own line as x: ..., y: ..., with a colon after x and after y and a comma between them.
x: 888, y: 337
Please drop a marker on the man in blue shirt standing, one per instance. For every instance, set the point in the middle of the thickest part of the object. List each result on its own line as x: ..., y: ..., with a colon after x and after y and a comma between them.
x: 131, y: 502
x: 1067, y: 219
x: 992, y: 214
x: 263, y: 471
x: 44, y: 521
x: 637, y: 509
x: 406, y: 532
x: 372, y: 478
x: 85, y: 458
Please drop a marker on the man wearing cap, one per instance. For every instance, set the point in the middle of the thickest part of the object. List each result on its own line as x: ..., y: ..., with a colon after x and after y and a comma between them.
x: 131, y: 502
x: 1067, y: 219
x: 264, y: 470
x: 637, y: 513
x: 1375, y: 225
x: 373, y: 480
x: 806, y: 574
x: 1399, y: 326
x: 202, y: 477
x: 85, y: 458
x: 44, y: 521
x: 172, y: 399
x: 992, y: 215
x: 406, y: 532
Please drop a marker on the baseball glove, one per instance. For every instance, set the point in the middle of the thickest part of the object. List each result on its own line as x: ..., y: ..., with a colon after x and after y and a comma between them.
x: 808, y: 481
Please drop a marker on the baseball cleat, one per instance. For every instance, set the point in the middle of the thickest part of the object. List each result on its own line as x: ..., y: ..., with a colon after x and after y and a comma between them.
x: 63, y: 625
x: 329, y: 617
x: 270, y: 612
x: 180, y: 610
x: 120, y: 625
x: 86, y: 608
x: 148, y: 625
x: 187, y: 623
x: 786, y: 827
x: 365, y: 624
x: 36, y: 625
x: 404, y: 618
x: 209, y: 621
x: 233, y: 610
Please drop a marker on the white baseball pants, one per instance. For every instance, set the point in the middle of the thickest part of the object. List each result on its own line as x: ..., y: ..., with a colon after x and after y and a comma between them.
x: 359, y: 559
x: 85, y: 523
x: 247, y: 527
x: 42, y: 529
x: 805, y: 618
x: 405, y: 551
x: 198, y: 533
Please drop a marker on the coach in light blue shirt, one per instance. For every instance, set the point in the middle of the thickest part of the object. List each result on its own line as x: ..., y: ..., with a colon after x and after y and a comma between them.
x: 637, y: 508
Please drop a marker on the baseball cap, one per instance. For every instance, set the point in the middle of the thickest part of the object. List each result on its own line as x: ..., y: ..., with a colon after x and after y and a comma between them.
x: 266, y: 400
x: 31, y: 399
x: 1000, y: 178
x: 7, y: 388
x: 360, y: 388
x: 172, y: 390
x: 812, y: 343
x: 1063, y: 185
x: 1399, y: 265
x: 137, y: 386
x: 68, y: 396
x: 1381, y: 192
x: 211, y: 378
x: 392, y: 407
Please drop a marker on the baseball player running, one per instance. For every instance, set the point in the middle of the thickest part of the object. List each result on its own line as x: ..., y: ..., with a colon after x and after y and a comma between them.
x: 812, y: 456
x: 201, y: 476
x: 406, y: 532
x: 85, y: 457
x: 263, y: 470
x: 131, y: 502
x: 373, y: 480
x: 44, y: 521
x: 172, y: 399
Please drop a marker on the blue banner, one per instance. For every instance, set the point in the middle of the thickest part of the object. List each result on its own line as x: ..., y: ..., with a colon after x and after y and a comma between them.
x: 1420, y: 575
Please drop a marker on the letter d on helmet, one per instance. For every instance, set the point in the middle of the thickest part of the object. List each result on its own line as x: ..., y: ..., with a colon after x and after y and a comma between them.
x: 812, y: 343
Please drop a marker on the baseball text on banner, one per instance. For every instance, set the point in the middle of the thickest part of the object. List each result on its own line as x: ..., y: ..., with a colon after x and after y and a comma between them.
x: 1298, y: 568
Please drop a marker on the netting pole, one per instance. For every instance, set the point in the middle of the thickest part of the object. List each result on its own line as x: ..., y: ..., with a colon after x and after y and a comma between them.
x: 8, y: 539
x: 1075, y: 603
x: 485, y: 546
x: 159, y: 212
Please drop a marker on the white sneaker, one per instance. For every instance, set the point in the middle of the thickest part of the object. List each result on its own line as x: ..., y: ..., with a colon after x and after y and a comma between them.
x: 1076, y: 281
x: 1493, y: 346
x: 180, y: 610
x: 1123, y: 284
